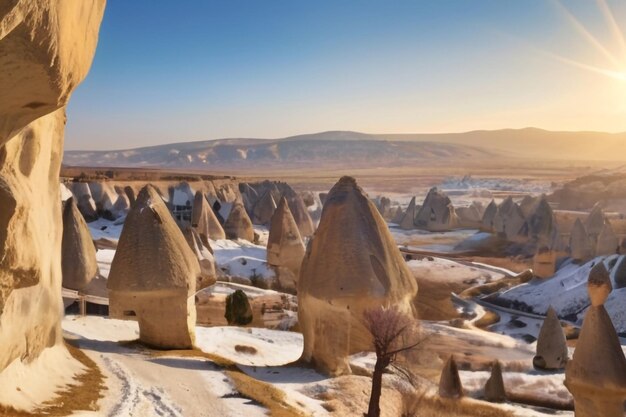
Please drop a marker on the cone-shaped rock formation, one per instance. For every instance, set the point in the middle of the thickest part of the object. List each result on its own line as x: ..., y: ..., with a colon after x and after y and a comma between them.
x: 285, y: 248
x: 204, y: 221
x: 596, y: 375
x: 608, y: 242
x: 551, y: 344
x: 205, y: 258
x: 408, y: 220
x: 450, y: 383
x: 153, y: 275
x: 436, y: 213
x: 264, y: 209
x: 78, y: 257
x: 579, y: 244
x: 238, y: 225
x: 299, y: 212
x: 351, y: 264
x: 494, y: 387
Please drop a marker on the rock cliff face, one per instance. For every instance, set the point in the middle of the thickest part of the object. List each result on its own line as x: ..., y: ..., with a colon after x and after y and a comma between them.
x: 46, y: 49
x: 351, y: 264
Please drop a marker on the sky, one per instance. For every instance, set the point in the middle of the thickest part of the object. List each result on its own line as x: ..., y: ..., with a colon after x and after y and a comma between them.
x: 205, y: 69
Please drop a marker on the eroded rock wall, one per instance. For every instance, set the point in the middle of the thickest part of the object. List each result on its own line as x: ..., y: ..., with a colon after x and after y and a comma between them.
x: 46, y: 49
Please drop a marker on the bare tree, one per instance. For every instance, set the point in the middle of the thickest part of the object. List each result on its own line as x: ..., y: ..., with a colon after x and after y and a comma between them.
x: 393, y: 332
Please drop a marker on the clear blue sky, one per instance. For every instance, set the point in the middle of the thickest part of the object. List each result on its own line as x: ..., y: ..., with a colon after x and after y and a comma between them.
x: 187, y: 70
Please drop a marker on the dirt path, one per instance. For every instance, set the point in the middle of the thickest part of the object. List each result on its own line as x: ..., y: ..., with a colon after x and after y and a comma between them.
x: 139, y: 384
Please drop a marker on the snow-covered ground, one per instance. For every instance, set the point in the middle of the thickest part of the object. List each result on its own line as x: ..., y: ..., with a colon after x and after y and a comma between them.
x: 566, y: 292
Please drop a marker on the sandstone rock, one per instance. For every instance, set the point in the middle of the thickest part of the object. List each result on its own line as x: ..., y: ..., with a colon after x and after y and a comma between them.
x: 408, y: 220
x: 78, y: 256
x: 596, y: 375
x: 238, y: 225
x: 130, y: 193
x: 153, y: 275
x: 351, y: 264
x: 595, y: 222
x: 398, y: 215
x: 450, y: 382
x: 470, y: 216
x: 551, y: 344
x: 529, y: 204
x: 46, y: 48
x: 84, y: 201
x: 509, y: 222
x: 489, y: 216
x: 494, y: 387
x: 541, y: 222
x: 299, y: 212
x: 436, y: 213
x: 121, y: 206
x: 264, y: 209
x: 205, y: 258
x: 216, y: 207
x: 323, y: 197
x: 579, y: 244
x: 608, y: 243
x: 285, y: 248
x: 544, y: 262
x: 205, y: 222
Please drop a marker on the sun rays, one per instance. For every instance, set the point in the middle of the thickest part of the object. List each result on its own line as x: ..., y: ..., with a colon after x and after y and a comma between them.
x: 615, y: 62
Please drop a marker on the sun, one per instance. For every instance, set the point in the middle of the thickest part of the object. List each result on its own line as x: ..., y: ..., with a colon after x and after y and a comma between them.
x: 615, y: 63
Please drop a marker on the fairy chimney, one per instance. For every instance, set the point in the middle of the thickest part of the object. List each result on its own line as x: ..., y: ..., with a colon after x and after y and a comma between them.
x: 238, y: 225
x: 204, y: 221
x: 264, y: 209
x: 494, y: 387
x: 78, y: 257
x: 579, y: 244
x: 285, y: 248
x: 551, y: 344
x: 351, y: 264
x: 596, y: 375
x: 153, y: 275
x: 408, y: 220
x: 450, y: 383
x: 608, y: 243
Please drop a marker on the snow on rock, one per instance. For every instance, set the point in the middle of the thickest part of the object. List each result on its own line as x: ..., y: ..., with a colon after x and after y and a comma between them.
x: 444, y: 270
x: 567, y: 293
x: 106, y: 229
x: 101, y: 328
x: 242, y: 259
x: 104, y: 258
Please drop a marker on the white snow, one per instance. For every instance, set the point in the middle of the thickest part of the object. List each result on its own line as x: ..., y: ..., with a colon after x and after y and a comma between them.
x: 444, y: 270
x: 242, y: 259
x: 104, y: 257
x: 108, y: 229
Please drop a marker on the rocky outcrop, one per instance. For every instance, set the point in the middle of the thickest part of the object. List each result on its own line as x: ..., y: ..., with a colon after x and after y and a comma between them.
x: 298, y: 210
x: 351, y: 264
x: 470, y: 216
x: 84, y: 201
x: 509, y: 222
x: 285, y: 248
x: 544, y: 262
x: 489, y: 216
x: 541, y: 223
x: 449, y: 382
x: 153, y: 275
x: 596, y: 375
x: 238, y: 225
x: 551, y: 344
x: 595, y: 222
x: 204, y: 221
x: 579, y: 244
x: 607, y: 242
x: 78, y: 256
x: 46, y: 48
x: 494, y: 387
x: 207, y: 276
x: 437, y: 213
x: 264, y: 209
x: 408, y: 220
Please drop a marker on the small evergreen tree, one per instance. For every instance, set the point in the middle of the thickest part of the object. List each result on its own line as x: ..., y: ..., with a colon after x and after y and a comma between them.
x: 238, y: 311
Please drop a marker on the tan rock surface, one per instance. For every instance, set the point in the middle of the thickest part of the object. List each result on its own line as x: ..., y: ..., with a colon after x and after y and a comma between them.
x: 436, y: 213
x: 238, y: 225
x: 450, y: 382
x: 78, y: 256
x: 551, y: 344
x: 264, y: 209
x: 285, y: 248
x: 205, y: 258
x: 204, y: 221
x: 46, y: 48
x: 494, y: 387
x: 579, y: 244
x: 351, y: 264
x: 408, y: 219
x: 608, y: 242
x: 596, y: 375
x: 153, y: 275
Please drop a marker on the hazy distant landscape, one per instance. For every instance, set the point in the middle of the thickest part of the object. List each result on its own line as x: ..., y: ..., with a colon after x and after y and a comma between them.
x: 360, y: 150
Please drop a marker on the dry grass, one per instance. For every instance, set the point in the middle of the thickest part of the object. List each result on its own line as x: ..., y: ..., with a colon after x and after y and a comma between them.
x: 268, y: 395
x: 82, y: 395
x: 429, y: 406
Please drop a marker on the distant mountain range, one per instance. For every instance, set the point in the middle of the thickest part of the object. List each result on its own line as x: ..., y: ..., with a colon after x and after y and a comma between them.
x: 353, y: 149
